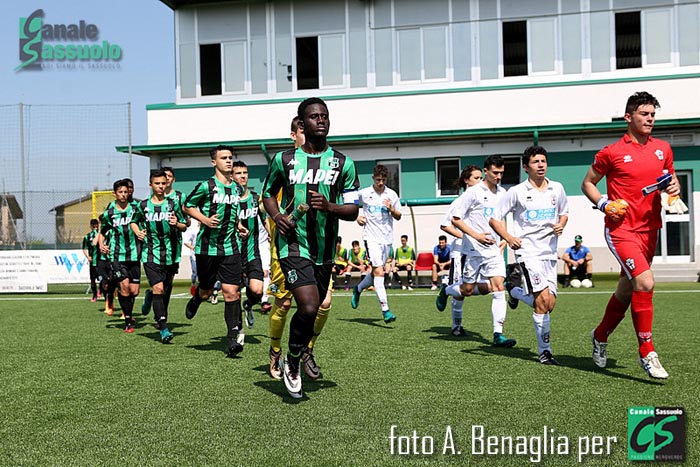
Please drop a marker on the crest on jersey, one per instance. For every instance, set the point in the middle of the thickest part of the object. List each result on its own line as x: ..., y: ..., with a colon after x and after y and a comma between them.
x: 333, y: 163
x: 630, y: 264
x: 659, y: 154
x: 554, y: 200
x: 292, y: 276
x: 536, y: 279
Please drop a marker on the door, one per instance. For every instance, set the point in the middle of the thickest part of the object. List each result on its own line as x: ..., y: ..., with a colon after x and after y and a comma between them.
x: 676, y: 235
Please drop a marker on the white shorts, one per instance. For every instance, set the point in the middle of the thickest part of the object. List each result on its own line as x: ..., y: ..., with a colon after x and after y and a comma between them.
x: 539, y: 274
x: 377, y: 253
x: 478, y: 267
x: 265, y: 255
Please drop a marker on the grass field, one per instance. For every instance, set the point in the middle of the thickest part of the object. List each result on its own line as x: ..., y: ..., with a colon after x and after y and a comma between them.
x: 76, y: 390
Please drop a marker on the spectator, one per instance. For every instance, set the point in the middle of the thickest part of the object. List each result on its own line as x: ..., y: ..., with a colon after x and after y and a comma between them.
x: 441, y: 259
x: 404, y: 260
x: 578, y: 262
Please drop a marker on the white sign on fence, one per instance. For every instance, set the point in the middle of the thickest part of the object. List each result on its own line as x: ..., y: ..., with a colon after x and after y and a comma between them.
x: 33, y: 270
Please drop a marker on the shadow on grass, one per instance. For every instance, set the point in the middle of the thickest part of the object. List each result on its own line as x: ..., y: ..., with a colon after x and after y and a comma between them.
x: 308, y: 387
x: 217, y: 344
x: 445, y: 333
x: 378, y: 322
x: 155, y: 333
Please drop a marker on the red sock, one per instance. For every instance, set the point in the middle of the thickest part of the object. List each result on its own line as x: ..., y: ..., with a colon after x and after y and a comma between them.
x: 642, y: 317
x: 614, y: 313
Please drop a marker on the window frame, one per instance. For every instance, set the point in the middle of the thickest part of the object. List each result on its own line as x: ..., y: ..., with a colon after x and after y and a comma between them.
x: 438, y: 180
x: 421, y: 39
x: 389, y: 163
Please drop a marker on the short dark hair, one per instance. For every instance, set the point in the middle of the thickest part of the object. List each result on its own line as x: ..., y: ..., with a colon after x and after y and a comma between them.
x: 442, y: 237
x: 307, y: 102
x: 380, y: 171
x: 494, y: 160
x: 167, y: 168
x: 239, y: 164
x: 129, y: 182
x: 221, y: 147
x: 339, y: 239
x: 461, y: 182
x: 295, y: 124
x: 533, y: 151
x: 94, y: 222
x: 124, y: 182
x: 640, y: 98
x: 355, y: 242
x: 157, y: 173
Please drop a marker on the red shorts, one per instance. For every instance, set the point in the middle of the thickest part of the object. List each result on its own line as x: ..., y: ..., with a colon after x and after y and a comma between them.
x: 633, y: 250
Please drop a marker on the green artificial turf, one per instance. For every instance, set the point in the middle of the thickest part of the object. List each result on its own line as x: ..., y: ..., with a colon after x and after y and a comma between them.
x: 77, y: 390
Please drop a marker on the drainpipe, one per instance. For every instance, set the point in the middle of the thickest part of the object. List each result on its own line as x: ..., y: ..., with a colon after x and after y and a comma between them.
x: 536, y: 138
x: 265, y: 153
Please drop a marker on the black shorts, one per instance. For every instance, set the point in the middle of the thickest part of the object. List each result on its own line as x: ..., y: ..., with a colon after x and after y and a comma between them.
x: 104, y: 271
x: 93, y: 273
x: 226, y: 269
x: 301, y: 271
x: 160, y: 273
x: 127, y: 270
x: 253, y: 269
x: 339, y: 268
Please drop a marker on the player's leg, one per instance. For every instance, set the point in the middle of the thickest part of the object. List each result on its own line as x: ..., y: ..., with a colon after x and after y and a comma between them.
x: 230, y: 275
x: 278, y: 316
x: 93, y: 282
x: 312, y: 369
x: 494, y: 268
x: 207, y: 267
x: 193, y: 274
x: 254, y: 288
x: 540, y: 281
x: 434, y: 277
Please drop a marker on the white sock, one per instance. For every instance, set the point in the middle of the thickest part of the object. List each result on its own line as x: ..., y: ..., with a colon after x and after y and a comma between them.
x: 498, y: 310
x: 366, y: 282
x: 381, y: 292
x: 519, y: 293
x: 457, y: 312
x: 541, y: 323
x: 453, y: 290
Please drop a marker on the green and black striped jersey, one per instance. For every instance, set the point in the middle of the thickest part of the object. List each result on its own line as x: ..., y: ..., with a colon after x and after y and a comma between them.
x: 295, y: 172
x: 107, y: 241
x: 163, y: 242
x: 250, y: 216
x: 213, y: 197
x: 124, y: 244
x: 91, y: 249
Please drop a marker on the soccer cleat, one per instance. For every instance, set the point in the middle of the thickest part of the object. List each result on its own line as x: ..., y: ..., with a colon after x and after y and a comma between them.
x: 499, y: 340
x: 265, y: 308
x: 147, y: 300
x: 130, y: 327
x: 403, y: 287
x: 214, y: 298
x: 109, y: 311
x: 441, y: 299
x: 410, y: 287
x: 355, y: 300
x: 546, y: 358
x: 275, y: 368
x: 233, y: 347
x: 512, y: 302
x: 249, y: 317
x: 292, y: 378
x: 191, y: 308
x: 652, y: 366
x: 166, y: 336
x: 389, y: 317
x: 600, y: 351
x: 93, y: 299
x: 122, y: 316
x: 434, y: 287
x: 459, y: 331
x: 241, y: 337
x: 310, y: 367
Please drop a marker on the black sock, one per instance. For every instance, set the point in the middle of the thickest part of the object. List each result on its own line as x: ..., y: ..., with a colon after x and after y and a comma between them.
x: 159, y: 311
x: 196, y: 299
x: 232, y: 315
x: 301, y: 330
x: 93, y: 287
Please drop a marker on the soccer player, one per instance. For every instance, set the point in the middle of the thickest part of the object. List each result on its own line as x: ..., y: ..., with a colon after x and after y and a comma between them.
x: 215, y: 203
x: 163, y: 222
x: 381, y: 206
x: 470, y: 176
x: 441, y: 259
x: 90, y: 252
x: 481, y: 246
x: 540, y: 213
x: 190, y: 241
x: 404, y: 260
x: 104, y: 272
x: 326, y: 181
x: 632, y: 222
x: 124, y: 250
x: 249, y: 215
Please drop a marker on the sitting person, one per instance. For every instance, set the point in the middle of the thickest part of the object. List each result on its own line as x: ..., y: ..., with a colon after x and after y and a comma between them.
x: 340, y: 262
x: 578, y: 262
x: 404, y: 260
x: 357, y: 261
x: 441, y: 259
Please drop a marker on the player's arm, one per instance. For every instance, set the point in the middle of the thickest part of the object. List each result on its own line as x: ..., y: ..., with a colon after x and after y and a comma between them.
x: 394, y: 208
x: 559, y: 226
x: 450, y: 229
x: 346, y: 211
x: 589, y: 185
x: 615, y: 210
x: 482, y: 237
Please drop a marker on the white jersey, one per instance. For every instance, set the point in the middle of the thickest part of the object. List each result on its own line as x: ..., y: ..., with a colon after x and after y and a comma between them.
x: 535, y: 213
x: 475, y: 207
x: 380, y: 223
x: 455, y: 242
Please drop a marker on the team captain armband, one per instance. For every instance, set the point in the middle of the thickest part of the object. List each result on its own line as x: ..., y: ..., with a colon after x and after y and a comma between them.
x: 351, y: 197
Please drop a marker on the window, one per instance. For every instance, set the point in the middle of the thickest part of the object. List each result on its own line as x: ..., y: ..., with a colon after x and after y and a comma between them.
x: 422, y: 53
x: 657, y: 36
x: 515, y: 48
x: 447, y: 175
x: 234, y: 67
x: 307, y: 62
x: 394, y: 179
x: 210, y: 69
x: 511, y: 173
x: 628, y: 40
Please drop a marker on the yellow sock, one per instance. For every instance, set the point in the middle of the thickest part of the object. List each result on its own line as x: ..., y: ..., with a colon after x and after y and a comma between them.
x: 278, y: 317
x: 321, y: 319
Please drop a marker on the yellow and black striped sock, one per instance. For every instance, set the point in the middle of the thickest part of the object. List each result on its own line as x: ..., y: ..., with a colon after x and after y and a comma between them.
x: 278, y: 317
x: 321, y: 318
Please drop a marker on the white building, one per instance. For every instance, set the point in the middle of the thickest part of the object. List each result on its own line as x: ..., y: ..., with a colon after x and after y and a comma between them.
x: 429, y: 87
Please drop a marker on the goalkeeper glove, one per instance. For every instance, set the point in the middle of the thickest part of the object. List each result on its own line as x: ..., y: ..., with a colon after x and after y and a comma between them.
x: 615, y: 210
x: 673, y: 204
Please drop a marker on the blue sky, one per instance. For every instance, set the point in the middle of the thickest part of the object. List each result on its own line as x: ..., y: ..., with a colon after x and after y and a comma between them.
x: 142, y: 28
